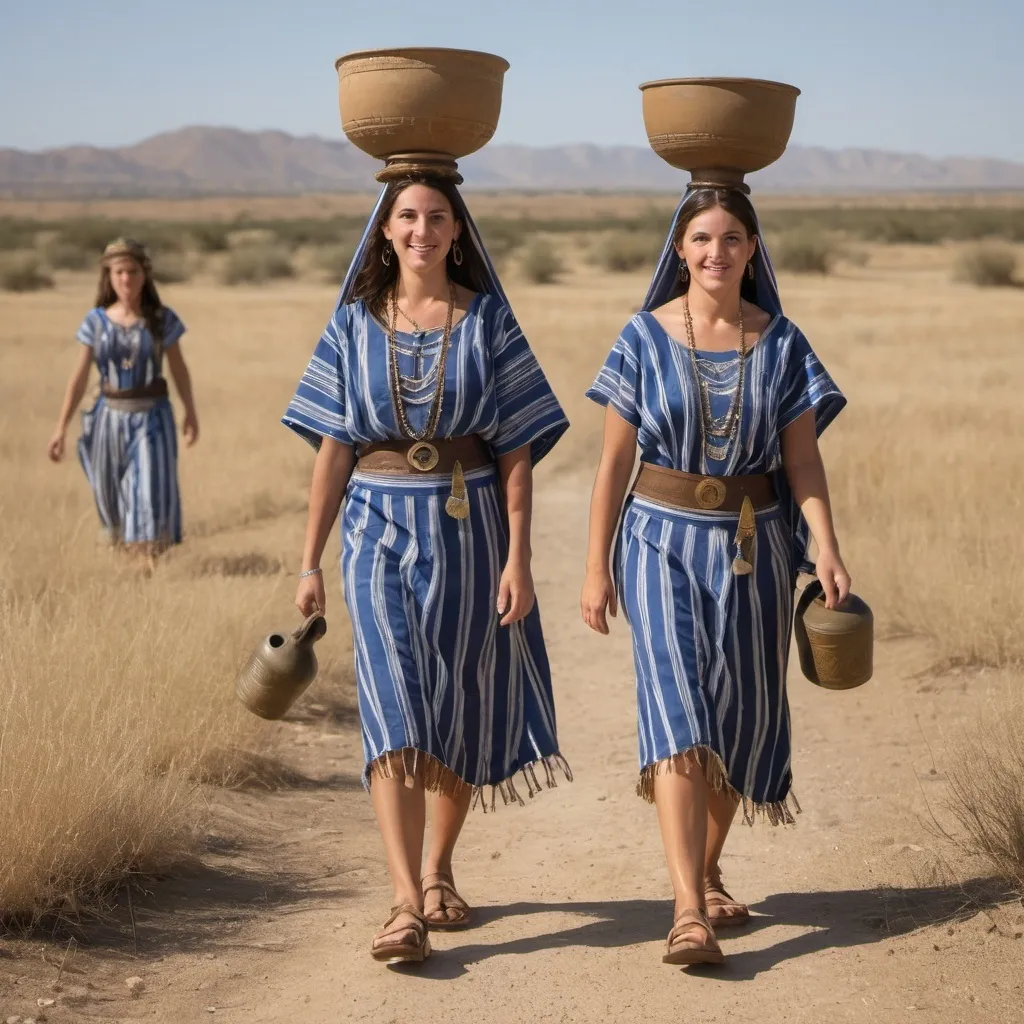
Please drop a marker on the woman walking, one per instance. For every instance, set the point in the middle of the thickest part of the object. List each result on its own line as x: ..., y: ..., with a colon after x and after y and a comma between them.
x: 429, y: 410
x: 726, y: 400
x: 128, y: 446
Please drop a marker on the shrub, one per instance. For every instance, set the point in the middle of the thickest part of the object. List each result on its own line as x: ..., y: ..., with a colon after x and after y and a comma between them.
x: 62, y: 255
x: 803, y: 253
x: 21, y: 272
x: 987, y: 266
x: 623, y: 251
x: 255, y: 264
x: 334, y: 261
x: 986, y: 793
x: 209, y: 237
x: 170, y: 268
x: 17, y: 234
x: 540, y: 262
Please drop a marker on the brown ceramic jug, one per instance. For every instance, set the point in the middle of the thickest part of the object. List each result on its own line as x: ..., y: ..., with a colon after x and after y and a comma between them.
x: 836, y: 645
x: 280, y: 669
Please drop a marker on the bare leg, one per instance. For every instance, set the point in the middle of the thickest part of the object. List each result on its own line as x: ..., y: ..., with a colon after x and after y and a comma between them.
x: 682, y: 803
x: 721, y: 812
x: 401, y: 817
x: 447, y: 816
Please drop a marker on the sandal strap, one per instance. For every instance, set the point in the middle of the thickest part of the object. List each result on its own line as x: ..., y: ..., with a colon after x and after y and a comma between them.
x: 687, y: 921
x: 413, y: 911
x: 721, y: 896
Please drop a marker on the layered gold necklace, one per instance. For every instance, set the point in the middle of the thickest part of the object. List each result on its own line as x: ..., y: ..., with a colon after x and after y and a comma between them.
x: 719, y: 451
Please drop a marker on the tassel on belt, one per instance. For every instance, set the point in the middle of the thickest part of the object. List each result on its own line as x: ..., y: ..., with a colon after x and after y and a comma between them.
x: 452, y: 456
x: 690, y: 492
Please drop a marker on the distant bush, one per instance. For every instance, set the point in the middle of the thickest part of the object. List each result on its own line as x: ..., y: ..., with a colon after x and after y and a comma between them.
x: 60, y: 255
x: 209, y: 237
x: 622, y: 251
x: 334, y: 261
x: 170, y: 268
x: 17, y: 234
x: 22, y: 272
x: 540, y: 262
x: 803, y: 253
x: 255, y: 264
x: 987, y: 266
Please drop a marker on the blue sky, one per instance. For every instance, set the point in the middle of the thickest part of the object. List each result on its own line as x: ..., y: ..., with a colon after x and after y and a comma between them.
x: 938, y: 78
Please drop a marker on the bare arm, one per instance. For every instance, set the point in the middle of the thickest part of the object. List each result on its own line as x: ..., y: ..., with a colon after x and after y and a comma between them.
x: 73, y: 394
x: 801, y: 459
x: 516, y: 593
x: 331, y: 471
x: 183, y: 382
x: 618, y: 453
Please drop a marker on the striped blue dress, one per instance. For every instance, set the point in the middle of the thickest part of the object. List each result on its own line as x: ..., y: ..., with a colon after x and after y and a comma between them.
x: 710, y: 648
x: 440, y: 683
x: 131, y: 458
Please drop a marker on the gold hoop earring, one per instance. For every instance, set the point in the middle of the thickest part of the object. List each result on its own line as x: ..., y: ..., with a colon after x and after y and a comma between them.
x: 456, y: 253
x: 684, y: 272
x: 385, y: 254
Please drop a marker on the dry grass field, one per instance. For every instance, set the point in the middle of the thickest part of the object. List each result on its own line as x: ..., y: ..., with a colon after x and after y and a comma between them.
x: 117, y: 712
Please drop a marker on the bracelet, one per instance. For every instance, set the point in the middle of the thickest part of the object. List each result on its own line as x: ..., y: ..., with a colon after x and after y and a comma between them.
x: 310, y: 572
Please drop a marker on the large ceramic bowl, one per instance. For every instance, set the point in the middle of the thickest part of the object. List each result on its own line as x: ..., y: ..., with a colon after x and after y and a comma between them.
x: 718, y: 129
x: 420, y: 104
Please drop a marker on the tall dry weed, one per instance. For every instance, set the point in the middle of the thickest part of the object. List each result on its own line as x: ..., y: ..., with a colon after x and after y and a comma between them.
x: 985, y: 776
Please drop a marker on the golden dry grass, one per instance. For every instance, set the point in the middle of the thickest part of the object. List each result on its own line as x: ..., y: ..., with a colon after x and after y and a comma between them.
x: 116, y: 689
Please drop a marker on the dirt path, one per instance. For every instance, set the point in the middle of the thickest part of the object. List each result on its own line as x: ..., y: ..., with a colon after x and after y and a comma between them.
x: 570, y: 892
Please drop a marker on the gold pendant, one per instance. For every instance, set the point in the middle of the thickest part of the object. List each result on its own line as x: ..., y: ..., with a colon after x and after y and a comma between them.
x: 746, y: 533
x: 457, y: 505
x: 422, y: 456
x: 715, y: 452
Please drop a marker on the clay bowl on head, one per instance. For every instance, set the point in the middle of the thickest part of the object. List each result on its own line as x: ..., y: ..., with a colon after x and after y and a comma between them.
x: 420, y: 102
x: 718, y: 129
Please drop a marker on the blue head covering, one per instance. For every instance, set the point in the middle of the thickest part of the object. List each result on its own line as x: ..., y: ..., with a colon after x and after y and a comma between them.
x: 470, y: 235
x: 665, y: 284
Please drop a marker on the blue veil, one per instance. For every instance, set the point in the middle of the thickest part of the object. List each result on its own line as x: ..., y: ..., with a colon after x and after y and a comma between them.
x: 470, y: 235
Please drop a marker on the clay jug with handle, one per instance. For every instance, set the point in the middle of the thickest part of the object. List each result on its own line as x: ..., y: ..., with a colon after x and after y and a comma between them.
x: 836, y: 645
x: 280, y: 669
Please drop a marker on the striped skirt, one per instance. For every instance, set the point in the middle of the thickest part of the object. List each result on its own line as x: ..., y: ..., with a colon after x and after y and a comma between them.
x: 131, y: 462
x: 441, y: 684
x: 710, y: 650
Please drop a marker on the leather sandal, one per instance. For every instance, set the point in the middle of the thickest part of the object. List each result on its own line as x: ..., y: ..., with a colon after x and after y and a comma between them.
x: 443, y: 883
x: 683, y: 950
x: 723, y: 910
x: 404, y: 951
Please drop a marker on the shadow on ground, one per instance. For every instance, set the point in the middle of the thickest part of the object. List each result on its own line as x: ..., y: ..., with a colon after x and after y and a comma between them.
x: 838, y: 919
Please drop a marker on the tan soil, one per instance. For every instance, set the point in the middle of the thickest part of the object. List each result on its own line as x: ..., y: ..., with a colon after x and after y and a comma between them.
x: 853, y: 921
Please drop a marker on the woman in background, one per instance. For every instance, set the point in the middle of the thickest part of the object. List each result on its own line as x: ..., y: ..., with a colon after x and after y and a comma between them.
x: 128, y: 447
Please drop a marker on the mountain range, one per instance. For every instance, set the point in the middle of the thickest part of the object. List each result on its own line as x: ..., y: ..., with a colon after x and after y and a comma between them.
x: 227, y: 161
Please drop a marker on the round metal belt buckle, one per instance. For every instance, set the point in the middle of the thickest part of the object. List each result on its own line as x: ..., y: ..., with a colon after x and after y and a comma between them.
x: 710, y: 493
x: 422, y: 456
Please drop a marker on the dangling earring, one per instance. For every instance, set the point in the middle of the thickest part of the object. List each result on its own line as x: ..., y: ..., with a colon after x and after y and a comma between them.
x: 684, y: 272
x: 750, y: 270
x: 385, y: 255
x: 456, y: 253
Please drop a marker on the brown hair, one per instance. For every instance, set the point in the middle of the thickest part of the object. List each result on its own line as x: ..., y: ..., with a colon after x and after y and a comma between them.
x: 152, y: 307
x: 699, y: 201
x: 374, y: 280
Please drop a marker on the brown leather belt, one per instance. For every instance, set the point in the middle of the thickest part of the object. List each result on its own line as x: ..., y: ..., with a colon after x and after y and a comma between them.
x: 691, y: 492
x: 410, y: 457
x: 156, y: 388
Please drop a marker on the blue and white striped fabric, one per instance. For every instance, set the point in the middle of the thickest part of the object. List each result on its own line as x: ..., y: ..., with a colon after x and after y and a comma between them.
x: 131, y: 458
x: 438, y: 679
x: 710, y: 647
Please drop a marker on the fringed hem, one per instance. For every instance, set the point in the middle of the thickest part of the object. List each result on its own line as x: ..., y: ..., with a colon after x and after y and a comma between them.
x: 410, y: 763
x: 776, y: 812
